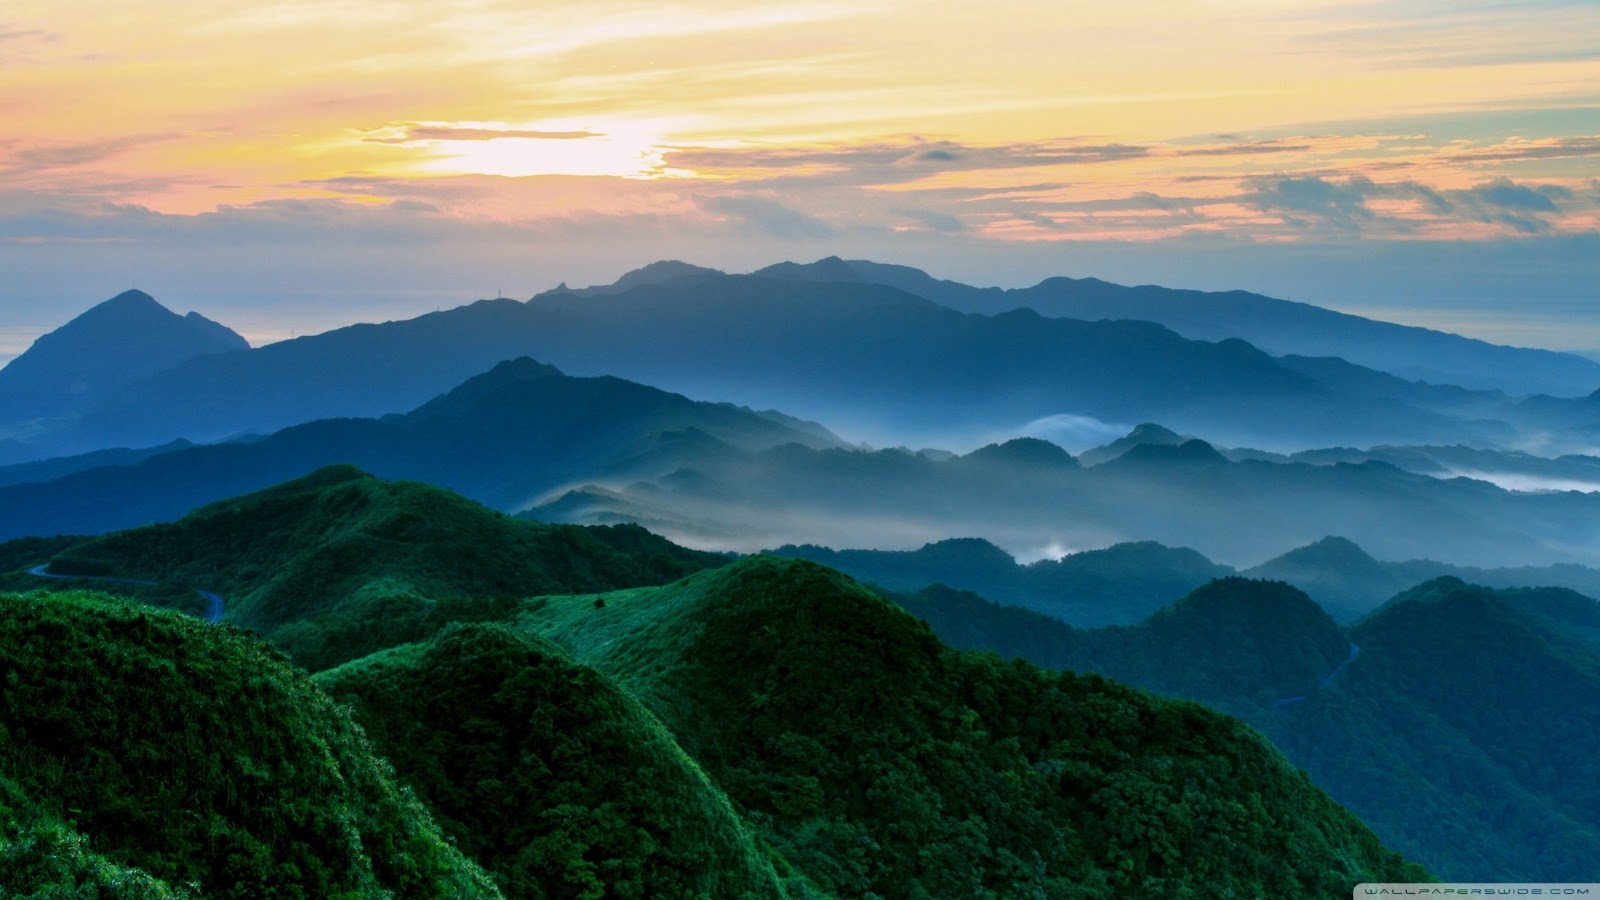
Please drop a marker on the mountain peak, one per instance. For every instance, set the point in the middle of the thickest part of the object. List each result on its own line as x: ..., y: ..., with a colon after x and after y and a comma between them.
x: 826, y: 269
x: 132, y: 299
x: 112, y: 344
x: 1024, y: 451
x: 1331, y: 549
x: 469, y: 396
x: 662, y: 271
x: 1192, y: 451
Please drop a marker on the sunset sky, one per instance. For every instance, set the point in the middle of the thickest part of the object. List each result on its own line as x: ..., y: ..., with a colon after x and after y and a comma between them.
x: 285, y: 167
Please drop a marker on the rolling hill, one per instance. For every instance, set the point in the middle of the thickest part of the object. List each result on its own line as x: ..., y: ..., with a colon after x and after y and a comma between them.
x: 810, y: 737
x: 146, y: 754
x: 1449, y: 719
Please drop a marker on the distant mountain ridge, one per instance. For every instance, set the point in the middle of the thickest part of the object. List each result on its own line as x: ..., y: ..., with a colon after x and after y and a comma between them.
x: 1187, y: 494
x: 106, y: 348
x: 506, y: 437
x: 1279, y: 327
x: 866, y: 357
x: 1125, y: 583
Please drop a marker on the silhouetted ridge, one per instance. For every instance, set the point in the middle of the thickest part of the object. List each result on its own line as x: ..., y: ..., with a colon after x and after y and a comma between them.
x: 475, y: 390
x: 111, y: 345
x: 1194, y: 451
x: 1024, y: 451
x: 1144, y: 433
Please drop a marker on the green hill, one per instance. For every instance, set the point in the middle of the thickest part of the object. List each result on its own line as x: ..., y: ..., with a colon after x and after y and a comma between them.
x: 146, y: 754
x: 548, y: 774
x: 1452, y: 720
x: 765, y: 728
x: 879, y: 761
x: 339, y: 564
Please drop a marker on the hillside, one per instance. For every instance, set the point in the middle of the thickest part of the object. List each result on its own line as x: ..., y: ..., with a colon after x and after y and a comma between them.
x: 876, y: 759
x: 339, y: 564
x: 146, y: 754
x: 796, y: 733
x: 547, y: 773
x: 1449, y: 720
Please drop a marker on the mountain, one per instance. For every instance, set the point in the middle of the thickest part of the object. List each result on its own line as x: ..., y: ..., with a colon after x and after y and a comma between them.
x: 60, y: 467
x: 765, y: 727
x: 547, y: 772
x: 1117, y: 585
x: 1349, y: 583
x: 147, y: 754
x: 1145, y: 433
x: 1450, y: 720
x: 870, y: 359
x: 105, y: 349
x: 1344, y: 578
x: 338, y: 564
x: 1188, y: 494
x: 879, y: 761
x: 506, y: 437
x: 1279, y: 327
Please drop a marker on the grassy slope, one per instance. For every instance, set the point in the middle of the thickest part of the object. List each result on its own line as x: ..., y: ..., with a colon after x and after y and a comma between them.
x: 548, y: 774
x: 339, y: 564
x: 880, y: 761
x: 137, y: 739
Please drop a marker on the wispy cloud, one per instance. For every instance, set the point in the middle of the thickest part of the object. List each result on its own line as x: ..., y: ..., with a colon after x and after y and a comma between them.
x: 769, y: 215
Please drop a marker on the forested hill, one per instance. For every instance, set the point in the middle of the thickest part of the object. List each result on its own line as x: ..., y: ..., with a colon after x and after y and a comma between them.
x: 339, y: 563
x: 1447, y: 701
x: 763, y: 728
x: 146, y: 754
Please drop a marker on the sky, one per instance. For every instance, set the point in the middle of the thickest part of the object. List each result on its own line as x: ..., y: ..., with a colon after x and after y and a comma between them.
x: 289, y: 167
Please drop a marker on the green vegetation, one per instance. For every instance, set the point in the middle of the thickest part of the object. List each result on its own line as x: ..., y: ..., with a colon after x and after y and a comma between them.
x: 882, y: 763
x: 1457, y: 733
x: 339, y: 564
x: 547, y: 773
x: 144, y: 749
x: 765, y: 728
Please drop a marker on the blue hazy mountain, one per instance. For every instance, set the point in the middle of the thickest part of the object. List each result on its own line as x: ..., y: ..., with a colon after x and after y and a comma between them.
x: 106, y: 348
x: 1118, y: 585
x: 1180, y: 495
x: 506, y: 438
x: 1125, y: 583
x: 868, y: 359
x: 1279, y: 327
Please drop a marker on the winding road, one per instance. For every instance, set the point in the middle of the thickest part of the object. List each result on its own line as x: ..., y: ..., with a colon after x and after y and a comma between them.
x: 213, y: 600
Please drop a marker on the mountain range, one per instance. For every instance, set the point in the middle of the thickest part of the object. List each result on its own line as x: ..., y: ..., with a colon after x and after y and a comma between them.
x: 1279, y: 327
x: 870, y: 359
x: 507, y: 437
x: 1035, y: 499
x: 1450, y: 719
x: 526, y: 437
x: 1126, y: 583
x: 762, y: 728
